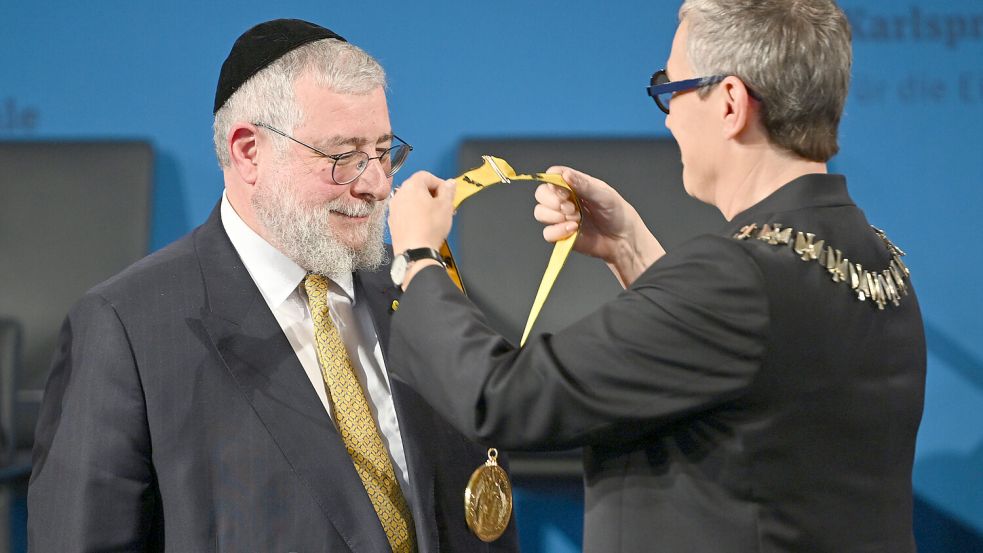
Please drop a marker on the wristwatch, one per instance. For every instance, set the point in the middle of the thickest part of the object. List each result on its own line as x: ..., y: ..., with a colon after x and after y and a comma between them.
x: 403, y: 260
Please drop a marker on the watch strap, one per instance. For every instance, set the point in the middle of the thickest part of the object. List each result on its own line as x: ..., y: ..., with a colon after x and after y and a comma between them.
x: 416, y: 254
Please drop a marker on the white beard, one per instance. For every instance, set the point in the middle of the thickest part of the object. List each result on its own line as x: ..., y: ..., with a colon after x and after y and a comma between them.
x: 302, y: 230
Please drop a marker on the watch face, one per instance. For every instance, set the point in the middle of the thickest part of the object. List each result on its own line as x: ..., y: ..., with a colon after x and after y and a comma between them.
x: 398, y: 269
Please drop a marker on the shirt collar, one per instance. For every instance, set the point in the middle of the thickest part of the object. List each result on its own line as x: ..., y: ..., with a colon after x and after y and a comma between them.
x: 276, y: 275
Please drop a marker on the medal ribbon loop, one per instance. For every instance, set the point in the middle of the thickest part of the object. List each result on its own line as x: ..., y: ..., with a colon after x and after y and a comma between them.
x: 497, y: 171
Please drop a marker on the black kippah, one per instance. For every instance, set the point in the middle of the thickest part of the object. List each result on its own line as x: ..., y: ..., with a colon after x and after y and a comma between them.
x: 261, y: 46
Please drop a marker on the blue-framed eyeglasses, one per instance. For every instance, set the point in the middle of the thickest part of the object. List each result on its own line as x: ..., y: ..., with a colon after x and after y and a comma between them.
x: 349, y: 166
x: 661, y: 89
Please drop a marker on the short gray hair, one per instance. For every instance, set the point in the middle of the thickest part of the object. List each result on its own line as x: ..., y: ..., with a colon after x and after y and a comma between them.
x: 794, y: 54
x: 268, y: 96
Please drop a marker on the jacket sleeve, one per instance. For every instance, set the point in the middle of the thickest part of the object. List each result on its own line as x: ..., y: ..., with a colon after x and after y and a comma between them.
x: 92, y: 485
x: 687, y: 335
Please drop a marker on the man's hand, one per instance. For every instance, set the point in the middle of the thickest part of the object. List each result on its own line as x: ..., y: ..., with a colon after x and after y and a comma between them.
x: 610, y: 228
x: 420, y: 215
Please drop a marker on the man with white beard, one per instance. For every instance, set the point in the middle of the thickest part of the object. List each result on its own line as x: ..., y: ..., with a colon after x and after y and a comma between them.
x: 230, y: 392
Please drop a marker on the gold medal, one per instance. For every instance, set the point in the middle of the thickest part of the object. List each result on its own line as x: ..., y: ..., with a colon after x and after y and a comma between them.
x: 488, y: 500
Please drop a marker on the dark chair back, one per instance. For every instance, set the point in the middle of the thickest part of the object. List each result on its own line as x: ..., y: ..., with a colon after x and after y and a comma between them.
x: 71, y: 215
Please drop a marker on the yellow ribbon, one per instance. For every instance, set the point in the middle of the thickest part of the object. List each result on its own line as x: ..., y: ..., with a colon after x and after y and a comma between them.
x: 497, y: 171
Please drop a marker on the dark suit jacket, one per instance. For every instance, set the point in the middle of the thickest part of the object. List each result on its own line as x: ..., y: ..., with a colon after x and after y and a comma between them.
x: 178, y: 418
x: 732, y: 399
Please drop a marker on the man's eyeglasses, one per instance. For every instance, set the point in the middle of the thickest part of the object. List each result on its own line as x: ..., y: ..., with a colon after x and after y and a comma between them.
x: 349, y: 166
x: 661, y: 89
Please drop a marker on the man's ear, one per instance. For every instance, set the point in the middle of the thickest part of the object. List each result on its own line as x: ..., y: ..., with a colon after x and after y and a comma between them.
x: 738, y: 107
x: 243, y: 151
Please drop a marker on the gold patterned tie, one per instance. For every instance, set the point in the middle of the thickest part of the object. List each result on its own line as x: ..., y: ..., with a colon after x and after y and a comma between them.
x: 354, y: 420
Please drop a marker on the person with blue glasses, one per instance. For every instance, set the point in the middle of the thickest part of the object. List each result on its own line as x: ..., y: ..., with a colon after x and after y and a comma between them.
x: 754, y: 390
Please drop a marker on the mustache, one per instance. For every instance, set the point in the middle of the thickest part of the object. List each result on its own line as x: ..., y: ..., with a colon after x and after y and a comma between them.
x: 357, y: 208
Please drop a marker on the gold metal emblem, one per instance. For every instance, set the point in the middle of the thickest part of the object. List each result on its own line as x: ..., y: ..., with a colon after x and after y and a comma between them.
x: 877, y: 287
x: 488, y: 500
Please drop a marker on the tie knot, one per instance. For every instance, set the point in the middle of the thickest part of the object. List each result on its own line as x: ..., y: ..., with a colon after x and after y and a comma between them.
x: 317, y: 289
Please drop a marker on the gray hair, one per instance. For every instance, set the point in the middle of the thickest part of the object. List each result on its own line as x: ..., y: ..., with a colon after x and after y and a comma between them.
x: 794, y: 54
x: 268, y: 96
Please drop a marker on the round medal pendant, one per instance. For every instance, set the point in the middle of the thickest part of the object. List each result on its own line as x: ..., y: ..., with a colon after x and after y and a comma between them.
x: 488, y: 500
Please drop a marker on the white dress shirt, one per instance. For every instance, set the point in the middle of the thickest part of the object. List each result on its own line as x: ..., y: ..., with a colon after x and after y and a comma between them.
x: 280, y: 280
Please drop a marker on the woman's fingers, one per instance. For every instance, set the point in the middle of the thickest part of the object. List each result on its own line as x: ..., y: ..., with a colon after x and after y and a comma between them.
x: 559, y: 231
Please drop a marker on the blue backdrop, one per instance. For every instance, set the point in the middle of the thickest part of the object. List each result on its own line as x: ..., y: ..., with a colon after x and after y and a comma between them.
x: 911, y: 138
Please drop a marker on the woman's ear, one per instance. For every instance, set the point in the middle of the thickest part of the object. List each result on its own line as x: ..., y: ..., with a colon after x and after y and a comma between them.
x: 737, y: 107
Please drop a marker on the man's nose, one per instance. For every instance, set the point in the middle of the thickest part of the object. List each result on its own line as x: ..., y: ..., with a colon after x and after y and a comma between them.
x: 373, y: 183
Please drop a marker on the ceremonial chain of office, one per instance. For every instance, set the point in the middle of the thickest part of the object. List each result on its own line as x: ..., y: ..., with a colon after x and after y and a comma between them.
x: 879, y: 287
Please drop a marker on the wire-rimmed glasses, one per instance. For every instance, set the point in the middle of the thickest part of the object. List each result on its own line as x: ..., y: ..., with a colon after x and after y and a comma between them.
x: 349, y: 166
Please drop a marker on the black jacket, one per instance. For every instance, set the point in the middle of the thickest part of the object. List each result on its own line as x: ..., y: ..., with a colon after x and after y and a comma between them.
x: 178, y: 418
x: 733, y: 399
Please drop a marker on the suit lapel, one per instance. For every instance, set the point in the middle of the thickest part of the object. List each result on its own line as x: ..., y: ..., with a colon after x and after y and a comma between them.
x: 265, y: 368
x: 413, y: 414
